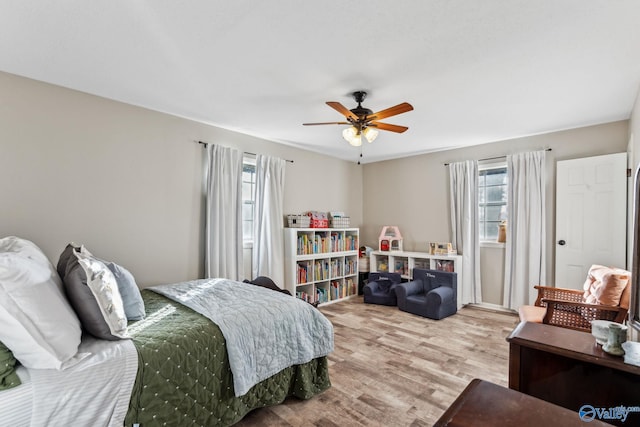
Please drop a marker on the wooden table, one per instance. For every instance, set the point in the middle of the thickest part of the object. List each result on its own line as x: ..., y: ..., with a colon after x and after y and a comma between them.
x: 570, y: 369
x: 486, y: 404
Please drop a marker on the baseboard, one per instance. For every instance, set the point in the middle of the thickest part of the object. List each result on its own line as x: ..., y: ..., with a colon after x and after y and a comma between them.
x: 491, y: 307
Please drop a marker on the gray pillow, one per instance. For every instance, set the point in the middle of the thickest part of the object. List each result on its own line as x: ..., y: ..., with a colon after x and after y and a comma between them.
x: 65, y: 257
x: 131, y: 297
x: 84, y: 302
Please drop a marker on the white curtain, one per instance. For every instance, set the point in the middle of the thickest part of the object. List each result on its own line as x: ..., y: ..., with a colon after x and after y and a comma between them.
x: 223, y: 221
x: 463, y: 184
x: 525, y: 247
x: 268, y: 217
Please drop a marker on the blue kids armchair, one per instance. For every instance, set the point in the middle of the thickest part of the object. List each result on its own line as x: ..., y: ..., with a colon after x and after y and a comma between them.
x: 381, y: 288
x: 431, y: 294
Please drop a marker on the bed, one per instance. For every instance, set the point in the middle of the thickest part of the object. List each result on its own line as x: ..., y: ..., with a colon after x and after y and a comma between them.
x: 180, y: 363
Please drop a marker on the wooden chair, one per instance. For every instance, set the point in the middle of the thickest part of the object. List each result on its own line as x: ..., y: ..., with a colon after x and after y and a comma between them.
x: 568, y: 308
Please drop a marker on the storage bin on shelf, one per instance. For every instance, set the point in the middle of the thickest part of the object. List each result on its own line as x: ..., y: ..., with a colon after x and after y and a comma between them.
x: 318, y: 219
x: 340, y: 222
x: 298, y: 221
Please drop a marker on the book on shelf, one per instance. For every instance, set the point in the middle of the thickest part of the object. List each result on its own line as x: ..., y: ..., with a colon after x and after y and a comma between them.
x: 342, y: 290
x: 350, y: 286
x: 308, y: 244
x: 321, y: 295
x: 305, y: 245
x: 305, y: 297
x: 304, y: 272
x: 335, y: 290
x: 351, y: 242
x: 334, y: 268
x: 336, y: 241
x: 321, y: 270
x: 444, y: 265
x: 350, y: 266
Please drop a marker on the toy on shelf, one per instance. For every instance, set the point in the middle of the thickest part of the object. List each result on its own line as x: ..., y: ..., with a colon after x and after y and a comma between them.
x: 390, y: 239
x: 436, y: 248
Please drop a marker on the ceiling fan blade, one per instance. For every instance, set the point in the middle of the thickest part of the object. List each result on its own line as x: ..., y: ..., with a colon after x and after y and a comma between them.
x: 392, y: 111
x: 389, y: 127
x: 342, y: 110
x: 326, y: 123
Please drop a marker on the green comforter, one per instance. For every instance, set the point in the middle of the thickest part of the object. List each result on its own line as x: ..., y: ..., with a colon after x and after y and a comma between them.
x: 184, y: 377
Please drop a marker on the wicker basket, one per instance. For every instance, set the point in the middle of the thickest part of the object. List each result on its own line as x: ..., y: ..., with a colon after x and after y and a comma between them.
x: 340, y: 222
x: 299, y: 221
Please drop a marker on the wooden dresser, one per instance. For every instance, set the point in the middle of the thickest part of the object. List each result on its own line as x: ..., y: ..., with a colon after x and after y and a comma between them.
x: 484, y: 404
x: 568, y: 368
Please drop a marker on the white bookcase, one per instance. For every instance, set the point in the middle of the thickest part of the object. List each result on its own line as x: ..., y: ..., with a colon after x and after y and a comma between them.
x: 404, y: 263
x: 321, y: 264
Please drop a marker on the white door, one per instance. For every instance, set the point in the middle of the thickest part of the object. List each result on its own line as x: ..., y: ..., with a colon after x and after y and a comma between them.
x: 591, y: 206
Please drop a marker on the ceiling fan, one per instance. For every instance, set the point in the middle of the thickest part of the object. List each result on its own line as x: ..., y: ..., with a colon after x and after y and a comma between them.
x: 363, y: 121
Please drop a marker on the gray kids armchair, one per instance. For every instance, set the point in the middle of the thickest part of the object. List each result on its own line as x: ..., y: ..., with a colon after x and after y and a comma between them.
x: 381, y: 288
x: 431, y: 294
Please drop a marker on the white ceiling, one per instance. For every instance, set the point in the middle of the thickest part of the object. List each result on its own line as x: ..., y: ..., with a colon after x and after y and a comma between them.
x: 475, y: 71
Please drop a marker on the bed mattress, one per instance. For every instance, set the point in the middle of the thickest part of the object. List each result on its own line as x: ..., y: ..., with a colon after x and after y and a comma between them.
x: 93, y: 392
x: 16, y: 402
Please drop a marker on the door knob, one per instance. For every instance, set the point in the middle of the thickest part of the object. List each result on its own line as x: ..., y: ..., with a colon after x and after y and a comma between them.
x: 561, y: 242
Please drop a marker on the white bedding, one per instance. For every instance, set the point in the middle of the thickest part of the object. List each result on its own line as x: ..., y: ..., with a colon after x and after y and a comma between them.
x: 94, y: 392
x: 265, y: 331
x: 15, y: 403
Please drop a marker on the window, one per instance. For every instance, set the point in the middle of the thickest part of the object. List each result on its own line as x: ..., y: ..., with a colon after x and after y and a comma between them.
x: 248, y: 197
x: 492, y: 200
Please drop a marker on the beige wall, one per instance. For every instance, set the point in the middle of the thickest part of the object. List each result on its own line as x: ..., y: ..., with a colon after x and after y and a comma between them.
x: 492, y: 274
x: 127, y: 182
x: 412, y: 193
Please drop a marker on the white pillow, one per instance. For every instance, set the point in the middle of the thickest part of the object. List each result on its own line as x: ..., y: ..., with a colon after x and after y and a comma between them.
x: 103, y: 286
x: 38, y: 324
x: 30, y: 250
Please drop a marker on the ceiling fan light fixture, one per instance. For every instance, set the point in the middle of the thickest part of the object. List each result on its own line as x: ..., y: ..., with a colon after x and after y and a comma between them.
x: 352, y: 136
x: 370, y: 134
x: 363, y: 121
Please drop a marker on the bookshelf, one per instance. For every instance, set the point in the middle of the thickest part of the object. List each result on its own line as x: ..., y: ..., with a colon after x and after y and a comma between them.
x: 404, y: 263
x: 321, y: 264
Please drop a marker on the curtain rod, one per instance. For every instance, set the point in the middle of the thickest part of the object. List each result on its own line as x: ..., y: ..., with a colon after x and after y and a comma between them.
x: 245, y: 152
x: 495, y: 158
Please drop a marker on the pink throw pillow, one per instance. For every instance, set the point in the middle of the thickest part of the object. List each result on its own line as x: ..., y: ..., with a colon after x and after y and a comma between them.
x: 605, y: 285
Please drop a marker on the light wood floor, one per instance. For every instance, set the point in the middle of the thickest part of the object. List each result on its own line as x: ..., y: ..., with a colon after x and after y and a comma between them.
x: 391, y: 368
